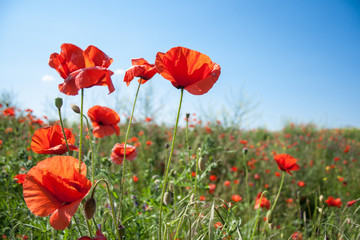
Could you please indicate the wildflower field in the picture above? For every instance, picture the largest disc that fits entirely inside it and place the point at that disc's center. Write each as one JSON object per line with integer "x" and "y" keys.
{"x": 103, "y": 177}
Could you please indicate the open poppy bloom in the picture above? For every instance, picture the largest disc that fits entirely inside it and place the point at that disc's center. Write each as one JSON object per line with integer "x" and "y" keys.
{"x": 20, "y": 178}
{"x": 104, "y": 121}
{"x": 10, "y": 111}
{"x": 81, "y": 69}
{"x": 188, "y": 69}
{"x": 55, "y": 186}
{"x": 50, "y": 140}
{"x": 99, "y": 236}
{"x": 142, "y": 69}
{"x": 117, "y": 154}
{"x": 331, "y": 202}
{"x": 236, "y": 198}
{"x": 286, "y": 163}
{"x": 264, "y": 203}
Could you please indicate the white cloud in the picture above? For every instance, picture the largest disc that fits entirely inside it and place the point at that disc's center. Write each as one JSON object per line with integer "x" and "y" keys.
{"x": 47, "y": 78}
{"x": 119, "y": 72}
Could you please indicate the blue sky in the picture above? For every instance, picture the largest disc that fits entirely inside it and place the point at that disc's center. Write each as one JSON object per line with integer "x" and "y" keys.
{"x": 295, "y": 60}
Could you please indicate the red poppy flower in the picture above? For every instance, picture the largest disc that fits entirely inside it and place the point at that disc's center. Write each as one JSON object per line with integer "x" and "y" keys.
{"x": 331, "y": 202}
{"x": 188, "y": 69}
{"x": 286, "y": 163}
{"x": 264, "y": 203}
{"x": 352, "y": 202}
{"x": 10, "y": 111}
{"x": 301, "y": 183}
{"x": 117, "y": 154}
{"x": 213, "y": 178}
{"x": 99, "y": 236}
{"x": 236, "y": 198}
{"x": 81, "y": 69}
{"x": 20, "y": 178}
{"x": 104, "y": 121}
{"x": 55, "y": 186}
{"x": 296, "y": 236}
{"x": 50, "y": 140}
{"x": 142, "y": 69}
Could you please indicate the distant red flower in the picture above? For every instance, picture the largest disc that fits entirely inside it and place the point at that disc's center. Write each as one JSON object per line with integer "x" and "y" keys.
{"x": 227, "y": 183}
{"x": 331, "y": 202}
{"x": 117, "y": 154}
{"x": 213, "y": 178}
{"x": 135, "y": 178}
{"x": 352, "y": 202}
{"x": 347, "y": 148}
{"x": 233, "y": 169}
{"x": 20, "y": 178}
{"x": 55, "y": 187}
{"x": 188, "y": 69}
{"x": 301, "y": 183}
{"x": 104, "y": 121}
{"x": 99, "y": 236}
{"x": 264, "y": 203}
{"x": 218, "y": 225}
{"x": 148, "y": 119}
{"x": 81, "y": 69}
{"x": 142, "y": 69}
{"x": 243, "y": 142}
{"x": 212, "y": 188}
{"x": 50, "y": 140}
{"x": 277, "y": 174}
{"x": 202, "y": 198}
{"x": 10, "y": 111}
{"x": 286, "y": 163}
{"x": 149, "y": 143}
{"x": 236, "y": 198}
{"x": 296, "y": 236}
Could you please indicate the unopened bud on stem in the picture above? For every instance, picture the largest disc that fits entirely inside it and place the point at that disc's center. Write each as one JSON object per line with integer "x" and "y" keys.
{"x": 58, "y": 102}
{"x": 75, "y": 108}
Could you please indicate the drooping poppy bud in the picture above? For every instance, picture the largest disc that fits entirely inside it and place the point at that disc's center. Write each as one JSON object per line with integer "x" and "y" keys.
{"x": 89, "y": 208}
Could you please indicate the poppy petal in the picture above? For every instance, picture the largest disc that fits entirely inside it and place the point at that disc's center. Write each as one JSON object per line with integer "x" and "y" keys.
{"x": 73, "y": 56}
{"x": 96, "y": 57}
{"x": 61, "y": 217}
{"x": 106, "y": 130}
{"x": 38, "y": 198}
{"x": 203, "y": 86}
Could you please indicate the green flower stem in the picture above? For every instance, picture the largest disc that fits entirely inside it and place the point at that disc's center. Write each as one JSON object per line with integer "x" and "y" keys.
{"x": 168, "y": 163}
{"x": 92, "y": 150}
{"x": 63, "y": 130}
{"x": 257, "y": 217}
{"x": 187, "y": 139}
{"x": 278, "y": 194}
{"x": 124, "y": 160}
{"x": 111, "y": 203}
{"x": 81, "y": 127}
{"x": 77, "y": 225}
{"x": 198, "y": 153}
{"x": 247, "y": 182}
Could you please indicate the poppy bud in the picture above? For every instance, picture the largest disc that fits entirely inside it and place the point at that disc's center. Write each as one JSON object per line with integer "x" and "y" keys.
{"x": 89, "y": 208}
{"x": 192, "y": 198}
{"x": 187, "y": 115}
{"x": 269, "y": 217}
{"x": 321, "y": 198}
{"x": 75, "y": 108}
{"x": 245, "y": 151}
{"x": 171, "y": 186}
{"x": 168, "y": 198}
{"x": 167, "y": 145}
{"x": 121, "y": 230}
{"x": 58, "y": 102}
{"x": 201, "y": 164}
{"x": 189, "y": 147}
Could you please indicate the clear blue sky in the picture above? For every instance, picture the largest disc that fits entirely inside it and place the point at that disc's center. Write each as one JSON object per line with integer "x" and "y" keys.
{"x": 297, "y": 60}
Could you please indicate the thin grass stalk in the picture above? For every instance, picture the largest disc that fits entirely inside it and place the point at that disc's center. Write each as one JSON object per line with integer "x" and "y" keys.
{"x": 168, "y": 163}
{"x": 63, "y": 131}
{"x": 92, "y": 151}
{"x": 81, "y": 127}
{"x": 124, "y": 160}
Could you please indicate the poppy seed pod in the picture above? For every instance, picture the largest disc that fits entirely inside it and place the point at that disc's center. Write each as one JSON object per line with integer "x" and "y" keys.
{"x": 168, "y": 198}
{"x": 245, "y": 151}
{"x": 201, "y": 163}
{"x": 269, "y": 217}
{"x": 89, "y": 208}
{"x": 58, "y": 102}
{"x": 187, "y": 115}
{"x": 171, "y": 186}
{"x": 75, "y": 108}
